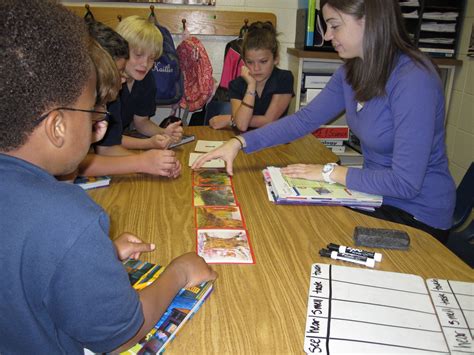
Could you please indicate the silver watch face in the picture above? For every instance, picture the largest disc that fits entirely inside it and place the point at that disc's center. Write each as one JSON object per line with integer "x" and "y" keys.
{"x": 327, "y": 168}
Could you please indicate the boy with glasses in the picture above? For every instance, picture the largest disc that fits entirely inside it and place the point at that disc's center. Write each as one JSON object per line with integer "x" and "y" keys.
{"x": 67, "y": 289}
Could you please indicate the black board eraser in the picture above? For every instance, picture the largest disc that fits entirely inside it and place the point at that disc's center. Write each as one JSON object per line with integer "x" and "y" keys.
{"x": 381, "y": 238}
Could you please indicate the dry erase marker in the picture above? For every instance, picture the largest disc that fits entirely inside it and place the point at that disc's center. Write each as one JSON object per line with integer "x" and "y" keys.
{"x": 356, "y": 259}
{"x": 354, "y": 251}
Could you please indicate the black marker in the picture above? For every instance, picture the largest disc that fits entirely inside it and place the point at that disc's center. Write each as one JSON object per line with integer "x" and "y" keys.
{"x": 354, "y": 251}
{"x": 356, "y": 259}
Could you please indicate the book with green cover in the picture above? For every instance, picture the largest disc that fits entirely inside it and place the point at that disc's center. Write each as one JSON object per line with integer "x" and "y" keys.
{"x": 181, "y": 309}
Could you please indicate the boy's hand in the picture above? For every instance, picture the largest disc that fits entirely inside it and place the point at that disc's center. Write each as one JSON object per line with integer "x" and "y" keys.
{"x": 160, "y": 141}
{"x": 175, "y": 131}
{"x": 220, "y": 121}
{"x": 193, "y": 268}
{"x": 98, "y": 131}
{"x": 130, "y": 246}
{"x": 160, "y": 162}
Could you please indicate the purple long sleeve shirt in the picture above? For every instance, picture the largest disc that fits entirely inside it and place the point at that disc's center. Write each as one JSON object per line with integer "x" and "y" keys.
{"x": 402, "y": 139}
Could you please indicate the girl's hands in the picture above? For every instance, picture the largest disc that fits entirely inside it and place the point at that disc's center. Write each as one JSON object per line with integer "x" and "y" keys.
{"x": 249, "y": 79}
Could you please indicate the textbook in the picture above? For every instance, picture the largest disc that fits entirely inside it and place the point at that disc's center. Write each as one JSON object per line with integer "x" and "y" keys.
{"x": 92, "y": 182}
{"x": 181, "y": 309}
{"x": 353, "y": 310}
{"x": 286, "y": 190}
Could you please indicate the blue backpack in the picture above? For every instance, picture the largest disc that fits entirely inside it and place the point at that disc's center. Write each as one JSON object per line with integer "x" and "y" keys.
{"x": 168, "y": 76}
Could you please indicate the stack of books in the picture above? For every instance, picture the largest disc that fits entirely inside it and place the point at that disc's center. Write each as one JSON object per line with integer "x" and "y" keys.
{"x": 333, "y": 137}
{"x": 285, "y": 190}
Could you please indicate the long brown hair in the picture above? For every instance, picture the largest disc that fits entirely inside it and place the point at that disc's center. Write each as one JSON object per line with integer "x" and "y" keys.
{"x": 108, "y": 76}
{"x": 384, "y": 38}
{"x": 261, "y": 35}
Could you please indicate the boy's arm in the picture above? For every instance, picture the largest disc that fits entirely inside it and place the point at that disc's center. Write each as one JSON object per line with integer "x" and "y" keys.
{"x": 155, "y": 162}
{"x": 157, "y": 141}
{"x": 185, "y": 271}
{"x": 113, "y": 150}
{"x": 146, "y": 126}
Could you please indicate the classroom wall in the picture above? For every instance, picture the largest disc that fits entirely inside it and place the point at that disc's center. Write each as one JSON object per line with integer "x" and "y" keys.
{"x": 285, "y": 11}
{"x": 460, "y": 118}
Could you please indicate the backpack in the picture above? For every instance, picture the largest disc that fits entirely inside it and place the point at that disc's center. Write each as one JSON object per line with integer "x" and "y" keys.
{"x": 166, "y": 72}
{"x": 197, "y": 70}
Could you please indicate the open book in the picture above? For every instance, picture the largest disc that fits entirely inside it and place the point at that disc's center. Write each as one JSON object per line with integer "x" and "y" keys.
{"x": 352, "y": 310}
{"x": 286, "y": 190}
{"x": 181, "y": 309}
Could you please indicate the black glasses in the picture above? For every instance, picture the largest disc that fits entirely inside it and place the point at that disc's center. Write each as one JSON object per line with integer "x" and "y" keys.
{"x": 104, "y": 115}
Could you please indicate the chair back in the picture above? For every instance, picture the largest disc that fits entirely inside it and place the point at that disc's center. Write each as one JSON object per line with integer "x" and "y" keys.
{"x": 464, "y": 198}
{"x": 214, "y": 108}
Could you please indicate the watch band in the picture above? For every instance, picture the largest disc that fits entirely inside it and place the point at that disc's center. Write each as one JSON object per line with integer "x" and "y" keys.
{"x": 327, "y": 171}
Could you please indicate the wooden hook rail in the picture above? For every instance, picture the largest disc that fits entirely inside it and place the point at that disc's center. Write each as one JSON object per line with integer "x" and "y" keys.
{"x": 197, "y": 22}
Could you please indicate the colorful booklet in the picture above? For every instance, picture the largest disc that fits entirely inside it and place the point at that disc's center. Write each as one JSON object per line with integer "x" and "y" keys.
{"x": 181, "y": 309}
{"x": 219, "y": 217}
{"x": 214, "y": 196}
{"x": 211, "y": 177}
{"x": 286, "y": 190}
{"x": 92, "y": 182}
{"x": 224, "y": 246}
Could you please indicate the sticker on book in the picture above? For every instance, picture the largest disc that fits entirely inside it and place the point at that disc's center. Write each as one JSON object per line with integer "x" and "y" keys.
{"x": 214, "y": 163}
{"x": 211, "y": 177}
{"x": 221, "y": 246}
{"x": 219, "y": 217}
{"x": 214, "y": 196}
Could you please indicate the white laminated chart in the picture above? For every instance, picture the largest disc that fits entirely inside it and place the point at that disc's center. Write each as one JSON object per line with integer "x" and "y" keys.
{"x": 352, "y": 310}
{"x": 454, "y": 304}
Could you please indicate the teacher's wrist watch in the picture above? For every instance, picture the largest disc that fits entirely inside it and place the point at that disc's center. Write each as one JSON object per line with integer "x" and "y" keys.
{"x": 327, "y": 171}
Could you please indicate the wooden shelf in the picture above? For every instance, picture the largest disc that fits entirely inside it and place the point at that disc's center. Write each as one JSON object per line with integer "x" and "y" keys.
{"x": 300, "y": 53}
{"x": 198, "y": 22}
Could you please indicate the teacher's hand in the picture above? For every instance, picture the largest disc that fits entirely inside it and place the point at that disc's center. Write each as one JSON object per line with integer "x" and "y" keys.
{"x": 304, "y": 171}
{"x": 227, "y": 152}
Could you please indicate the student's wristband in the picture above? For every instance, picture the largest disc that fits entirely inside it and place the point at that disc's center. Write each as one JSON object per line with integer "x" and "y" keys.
{"x": 251, "y": 93}
{"x": 247, "y": 105}
{"x": 239, "y": 140}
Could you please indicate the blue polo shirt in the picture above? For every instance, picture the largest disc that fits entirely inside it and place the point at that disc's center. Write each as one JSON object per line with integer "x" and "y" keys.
{"x": 64, "y": 288}
{"x": 279, "y": 82}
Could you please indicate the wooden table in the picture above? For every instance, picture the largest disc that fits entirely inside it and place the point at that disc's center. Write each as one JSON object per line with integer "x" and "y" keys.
{"x": 260, "y": 308}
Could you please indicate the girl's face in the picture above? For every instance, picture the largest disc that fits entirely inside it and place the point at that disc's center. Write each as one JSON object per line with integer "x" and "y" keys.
{"x": 260, "y": 63}
{"x": 139, "y": 64}
{"x": 345, "y": 32}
